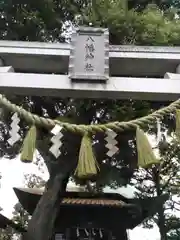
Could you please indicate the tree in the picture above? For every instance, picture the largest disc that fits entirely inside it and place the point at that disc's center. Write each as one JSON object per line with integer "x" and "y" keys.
{"x": 148, "y": 27}
{"x": 32, "y": 180}
{"x": 20, "y": 216}
{"x": 174, "y": 235}
{"x": 42, "y": 21}
{"x": 6, "y": 234}
{"x": 161, "y": 179}
{"x": 140, "y": 5}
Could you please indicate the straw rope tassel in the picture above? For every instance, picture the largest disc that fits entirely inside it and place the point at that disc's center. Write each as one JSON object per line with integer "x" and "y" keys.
{"x": 87, "y": 164}
{"x": 146, "y": 156}
{"x": 178, "y": 124}
{"x": 29, "y": 145}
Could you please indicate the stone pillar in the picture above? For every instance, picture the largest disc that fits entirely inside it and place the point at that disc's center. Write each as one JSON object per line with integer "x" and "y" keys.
{"x": 178, "y": 69}
{"x": 176, "y": 75}
{"x": 4, "y": 69}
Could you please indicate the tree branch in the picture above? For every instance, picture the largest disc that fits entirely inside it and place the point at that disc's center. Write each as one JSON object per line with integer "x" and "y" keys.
{"x": 169, "y": 179}
{"x": 172, "y": 226}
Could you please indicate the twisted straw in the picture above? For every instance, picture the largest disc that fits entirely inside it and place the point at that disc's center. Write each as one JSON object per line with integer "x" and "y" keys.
{"x": 82, "y": 129}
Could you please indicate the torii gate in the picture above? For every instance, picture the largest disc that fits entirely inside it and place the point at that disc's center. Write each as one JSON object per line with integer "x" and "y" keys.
{"x": 87, "y": 68}
{"x": 121, "y": 72}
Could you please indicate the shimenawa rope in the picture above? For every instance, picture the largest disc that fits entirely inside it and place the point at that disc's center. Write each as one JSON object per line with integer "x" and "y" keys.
{"x": 82, "y": 129}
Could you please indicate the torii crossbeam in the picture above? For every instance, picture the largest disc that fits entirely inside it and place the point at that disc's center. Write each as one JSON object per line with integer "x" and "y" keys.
{"x": 118, "y": 72}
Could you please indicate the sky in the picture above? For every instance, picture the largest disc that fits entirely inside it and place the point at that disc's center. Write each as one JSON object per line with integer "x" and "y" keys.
{"x": 13, "y": 171}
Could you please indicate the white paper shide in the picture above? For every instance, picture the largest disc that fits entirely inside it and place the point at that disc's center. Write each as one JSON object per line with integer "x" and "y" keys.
{"x": 111, "y": 142}
{"x": 56, "y": 140}
{"x": 14, "y": 135}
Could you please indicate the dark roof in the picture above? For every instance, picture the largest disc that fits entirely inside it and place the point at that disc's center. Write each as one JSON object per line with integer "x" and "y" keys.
{"x": 147, "y": 206}
{"x": 5, "y": 222}
{"x": 30, "y": 197}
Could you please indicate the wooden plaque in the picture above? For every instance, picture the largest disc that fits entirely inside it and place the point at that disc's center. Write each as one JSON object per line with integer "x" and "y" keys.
{"x": 89, "y": 54}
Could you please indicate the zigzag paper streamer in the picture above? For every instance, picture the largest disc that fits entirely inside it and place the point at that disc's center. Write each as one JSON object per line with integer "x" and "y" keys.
{"x": 56, "y": 140}
{"x": 159, "y": 133}
{"x": 111, "y": 143}
{"x": 14, "y": 135}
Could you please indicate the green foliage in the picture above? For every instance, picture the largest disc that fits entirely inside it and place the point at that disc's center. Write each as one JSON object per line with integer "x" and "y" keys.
{"x": 160, "y": 180}
{"x": 148, "y": 27}
{"x": 6, "y": 234}
{"x": 174, "y": 235}
{"x": 43, "y": 20}
{"x": 34, "y": 20}
{"x": 139, "y": 5}
{"x": 32, "y": 180}
{"x": 20, "y": 216}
